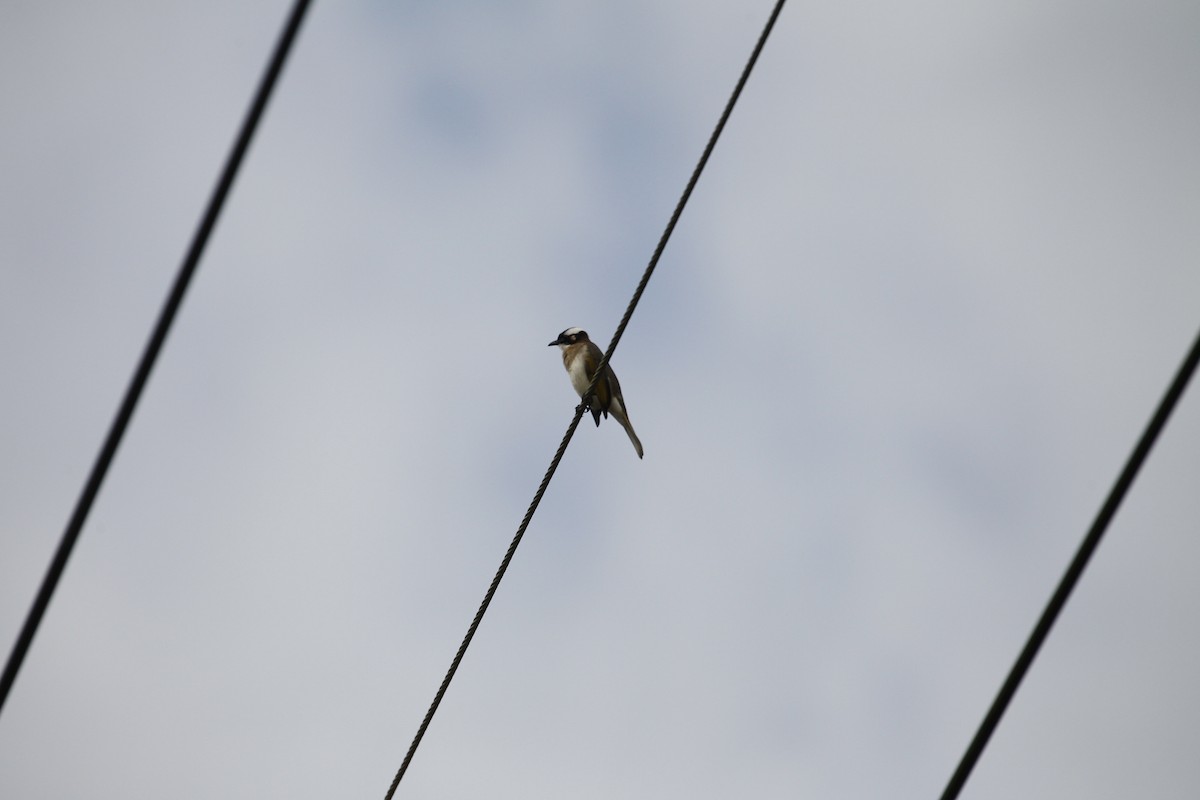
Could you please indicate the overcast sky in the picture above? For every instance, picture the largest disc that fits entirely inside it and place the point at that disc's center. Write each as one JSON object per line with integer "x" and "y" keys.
{"x": 938, "y": 273}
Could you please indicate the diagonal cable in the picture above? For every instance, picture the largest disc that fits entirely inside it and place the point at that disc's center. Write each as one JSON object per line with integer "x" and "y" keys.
{"x": 157, "y": 337}
{"x": 579, "y": 410}
{"x": 1059, "y": 599}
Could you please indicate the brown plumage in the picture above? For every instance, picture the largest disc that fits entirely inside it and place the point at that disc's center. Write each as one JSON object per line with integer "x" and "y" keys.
{"x": 581, "y": 357}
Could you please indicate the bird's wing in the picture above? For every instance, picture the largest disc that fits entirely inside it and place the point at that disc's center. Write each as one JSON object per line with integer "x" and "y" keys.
{"x": 603, "y": 391}
{"x": 613, "y": 387}
{"x": 588, "y": 358}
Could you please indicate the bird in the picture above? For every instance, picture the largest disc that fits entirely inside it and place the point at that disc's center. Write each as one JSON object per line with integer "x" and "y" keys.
{"x": 581, "y": 356}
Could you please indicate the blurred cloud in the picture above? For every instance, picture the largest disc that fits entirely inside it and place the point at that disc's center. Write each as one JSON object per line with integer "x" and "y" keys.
{"x": 937, "y": 274}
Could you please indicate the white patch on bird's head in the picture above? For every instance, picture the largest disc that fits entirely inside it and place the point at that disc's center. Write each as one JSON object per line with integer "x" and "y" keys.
{"x": 570, "y": 336}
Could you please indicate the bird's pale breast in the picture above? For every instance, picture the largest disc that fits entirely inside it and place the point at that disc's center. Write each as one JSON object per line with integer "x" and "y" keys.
{"x": 576, "y": 365}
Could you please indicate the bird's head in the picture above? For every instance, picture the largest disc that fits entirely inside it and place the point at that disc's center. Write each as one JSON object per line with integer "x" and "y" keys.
{"x": 569, "y": 337}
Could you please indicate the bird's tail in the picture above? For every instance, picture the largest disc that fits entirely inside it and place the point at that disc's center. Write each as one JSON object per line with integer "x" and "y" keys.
{"x": 617, "y": 409}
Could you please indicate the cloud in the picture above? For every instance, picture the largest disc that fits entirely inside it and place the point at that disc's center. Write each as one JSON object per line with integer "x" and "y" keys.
{"x": 926, "y": 294}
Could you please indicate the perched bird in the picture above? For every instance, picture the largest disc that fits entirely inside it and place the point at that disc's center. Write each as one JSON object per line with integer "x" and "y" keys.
{"x": 581, "y": 356}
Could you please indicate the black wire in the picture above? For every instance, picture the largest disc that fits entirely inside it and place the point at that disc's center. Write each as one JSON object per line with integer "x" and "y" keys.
{"x": 142, "y": 374}
{"x": 579, "y": 410}
{"x": 687, "y": 192}
{"x": 1074, "y": 571}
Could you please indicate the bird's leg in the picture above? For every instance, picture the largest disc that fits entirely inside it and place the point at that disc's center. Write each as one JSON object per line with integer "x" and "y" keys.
{"x": 590, "y": 404}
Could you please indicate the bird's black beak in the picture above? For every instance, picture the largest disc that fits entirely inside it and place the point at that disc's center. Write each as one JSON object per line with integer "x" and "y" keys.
{"x": 553, "y": 343}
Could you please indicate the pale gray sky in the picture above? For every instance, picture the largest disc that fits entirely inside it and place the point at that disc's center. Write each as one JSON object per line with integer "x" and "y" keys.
{"x": 939, "y": 271}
